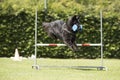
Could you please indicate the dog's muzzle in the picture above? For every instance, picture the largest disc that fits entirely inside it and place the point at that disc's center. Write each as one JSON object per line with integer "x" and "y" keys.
{"x": 75, "y": 27}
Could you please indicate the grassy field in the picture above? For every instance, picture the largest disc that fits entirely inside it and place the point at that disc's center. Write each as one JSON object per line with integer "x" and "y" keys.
{"x": 12, "y": 70}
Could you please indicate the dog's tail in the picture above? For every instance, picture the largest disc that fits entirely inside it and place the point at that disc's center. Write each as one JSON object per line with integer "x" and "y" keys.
{"x": 45, "y": 25}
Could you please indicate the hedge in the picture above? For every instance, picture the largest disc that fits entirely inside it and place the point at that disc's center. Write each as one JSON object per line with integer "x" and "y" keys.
{"x": 17, "y": 29}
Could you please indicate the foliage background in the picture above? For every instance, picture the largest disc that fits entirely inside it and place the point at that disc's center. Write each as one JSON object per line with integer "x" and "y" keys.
{"x": 17, "y": 27}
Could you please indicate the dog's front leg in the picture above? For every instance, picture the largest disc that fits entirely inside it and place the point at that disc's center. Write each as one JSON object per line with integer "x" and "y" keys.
{"x": 69, "y": 44}
{"x": 75, "y": 46}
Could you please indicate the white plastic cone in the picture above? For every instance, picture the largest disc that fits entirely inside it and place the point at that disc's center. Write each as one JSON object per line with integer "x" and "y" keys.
{"x": 16, "y": 54}
{"x": 16, "y": 57}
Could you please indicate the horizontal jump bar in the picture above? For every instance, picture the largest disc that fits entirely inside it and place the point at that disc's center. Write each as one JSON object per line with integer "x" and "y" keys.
{"x": 86, "y": 44}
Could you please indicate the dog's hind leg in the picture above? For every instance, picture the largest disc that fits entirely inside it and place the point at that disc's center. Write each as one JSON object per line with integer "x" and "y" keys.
{"x": 52, "y": 35}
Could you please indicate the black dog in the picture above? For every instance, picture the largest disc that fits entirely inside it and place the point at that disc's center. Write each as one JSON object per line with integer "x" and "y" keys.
{"x": 65, "y": 32}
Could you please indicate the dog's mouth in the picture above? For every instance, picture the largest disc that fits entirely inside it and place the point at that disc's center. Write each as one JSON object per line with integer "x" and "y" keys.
{"x": 76, "y": 28}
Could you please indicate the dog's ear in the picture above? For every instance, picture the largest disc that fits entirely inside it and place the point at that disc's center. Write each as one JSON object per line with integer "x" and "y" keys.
{"x": 78, "y": 17}
{"x": 72, "y": 20}
{"x": 74, "y": 17}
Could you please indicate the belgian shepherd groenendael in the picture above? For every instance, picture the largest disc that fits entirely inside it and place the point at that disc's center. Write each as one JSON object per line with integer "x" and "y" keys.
{"x": 64, "y": 31}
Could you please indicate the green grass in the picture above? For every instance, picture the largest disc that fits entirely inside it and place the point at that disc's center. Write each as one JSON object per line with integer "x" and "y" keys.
{"x": 12, "y": 70}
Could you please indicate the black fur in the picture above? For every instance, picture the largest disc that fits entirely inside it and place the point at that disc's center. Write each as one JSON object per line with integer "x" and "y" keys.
{"x": 63, "y": 31}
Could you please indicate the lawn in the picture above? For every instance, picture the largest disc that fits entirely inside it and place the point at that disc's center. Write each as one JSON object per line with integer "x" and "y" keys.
{"x": 22, "y": 70}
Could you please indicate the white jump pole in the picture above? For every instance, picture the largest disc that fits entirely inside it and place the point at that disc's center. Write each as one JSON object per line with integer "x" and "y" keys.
{"x": 86, "y": 44}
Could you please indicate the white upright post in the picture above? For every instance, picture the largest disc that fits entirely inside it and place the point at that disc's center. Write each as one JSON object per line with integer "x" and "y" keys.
{"x": 35, "y": 59}
{"x": 101, "y": 38}
{"x": 35, "y": 37}
{"x": 45, "y": 4}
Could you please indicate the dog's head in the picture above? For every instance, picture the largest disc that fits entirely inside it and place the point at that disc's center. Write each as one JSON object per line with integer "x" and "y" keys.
{"x": 74, "y": 23}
